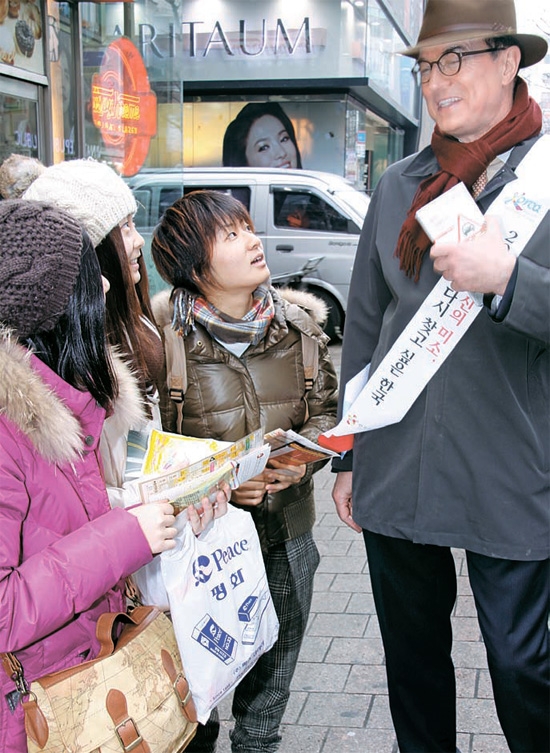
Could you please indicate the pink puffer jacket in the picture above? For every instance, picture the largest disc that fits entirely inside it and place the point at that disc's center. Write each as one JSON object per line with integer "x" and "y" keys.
{"x": 63, "y": 552}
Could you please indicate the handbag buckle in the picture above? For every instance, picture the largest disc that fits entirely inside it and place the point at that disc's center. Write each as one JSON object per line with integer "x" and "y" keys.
{"x": 14, "y": 670}
{"x": 119, "y": 731}
{"x": 181, "y": 679}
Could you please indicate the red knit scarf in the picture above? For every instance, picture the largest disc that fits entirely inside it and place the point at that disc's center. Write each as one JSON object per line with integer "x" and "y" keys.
{"x": 464, "y": 162}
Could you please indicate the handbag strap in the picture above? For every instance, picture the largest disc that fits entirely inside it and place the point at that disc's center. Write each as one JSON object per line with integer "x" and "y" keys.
{"x": 136, "y": 621}
{"x": 36, "y": 726}
{"x": 180, "y": 686}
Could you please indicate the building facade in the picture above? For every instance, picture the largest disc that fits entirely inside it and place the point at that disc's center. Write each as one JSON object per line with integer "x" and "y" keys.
{"x": 155, "y": 83}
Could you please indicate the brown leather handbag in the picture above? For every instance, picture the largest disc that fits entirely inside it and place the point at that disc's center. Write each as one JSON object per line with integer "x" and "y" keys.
{"x": 132, "y": 697}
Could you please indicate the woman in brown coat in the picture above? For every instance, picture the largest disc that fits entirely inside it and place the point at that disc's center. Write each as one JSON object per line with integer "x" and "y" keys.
{"x": 243, "y": 347}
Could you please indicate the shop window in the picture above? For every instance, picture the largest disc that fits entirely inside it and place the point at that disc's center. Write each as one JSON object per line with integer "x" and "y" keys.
{"x": 18, "y": 127}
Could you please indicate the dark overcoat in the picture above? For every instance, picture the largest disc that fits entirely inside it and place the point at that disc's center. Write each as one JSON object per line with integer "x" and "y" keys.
{"x": 469, "y": 465}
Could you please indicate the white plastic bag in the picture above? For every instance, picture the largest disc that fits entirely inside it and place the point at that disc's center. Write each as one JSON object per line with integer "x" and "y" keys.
{"x": 148, "y": 579}
{"x": 220, "y": 603}
{"x": 150, "y": 584}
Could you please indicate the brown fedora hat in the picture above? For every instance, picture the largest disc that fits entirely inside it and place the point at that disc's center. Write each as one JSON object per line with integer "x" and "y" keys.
{"x": 458, "y": 20}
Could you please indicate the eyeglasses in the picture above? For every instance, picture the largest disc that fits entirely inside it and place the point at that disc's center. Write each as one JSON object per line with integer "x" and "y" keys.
{"x": 449, "y": 64}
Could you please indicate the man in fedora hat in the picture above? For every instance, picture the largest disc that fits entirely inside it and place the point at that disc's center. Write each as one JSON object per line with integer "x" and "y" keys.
{"x": 468, "y": 464}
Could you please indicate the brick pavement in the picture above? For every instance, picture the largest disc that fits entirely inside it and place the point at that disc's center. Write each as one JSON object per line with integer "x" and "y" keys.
{"x": 339, "y": 701}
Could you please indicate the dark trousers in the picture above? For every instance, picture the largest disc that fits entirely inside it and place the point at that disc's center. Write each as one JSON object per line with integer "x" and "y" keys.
{"x": 414, "y": 588}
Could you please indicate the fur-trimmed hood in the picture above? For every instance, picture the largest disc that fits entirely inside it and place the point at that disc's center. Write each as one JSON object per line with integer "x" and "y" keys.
{"x": 314, "y": 306}
{"x": 41, "y": 415}
{"x": 33, "y": 407}
{"x": 129, "y": 411}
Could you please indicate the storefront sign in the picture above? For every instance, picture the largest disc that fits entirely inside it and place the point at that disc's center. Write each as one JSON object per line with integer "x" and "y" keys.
{"x": 123, "y": 106}
{"x": 194, "y": 41}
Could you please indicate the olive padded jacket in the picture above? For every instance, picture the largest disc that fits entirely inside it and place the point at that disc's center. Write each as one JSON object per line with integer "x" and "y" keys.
{"x": 228, "y": 397}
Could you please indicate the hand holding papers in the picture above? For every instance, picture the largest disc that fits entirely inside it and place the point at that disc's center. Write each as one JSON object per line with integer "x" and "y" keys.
{"x": 294, "y": 449}
{"x": 231, "y": 462}
{"x": 186, "y": 469}
{"x": 453, "y": 217}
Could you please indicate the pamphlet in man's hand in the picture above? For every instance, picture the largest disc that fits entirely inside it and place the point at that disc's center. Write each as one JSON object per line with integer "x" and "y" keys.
{"x": 452, "y": 217}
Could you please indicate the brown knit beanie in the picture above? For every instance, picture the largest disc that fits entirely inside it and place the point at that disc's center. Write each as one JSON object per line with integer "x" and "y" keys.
{"x": 40, "y": 251}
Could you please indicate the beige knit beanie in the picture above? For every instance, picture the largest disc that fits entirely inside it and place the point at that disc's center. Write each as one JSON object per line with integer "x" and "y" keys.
{"x": 90, "y": 191}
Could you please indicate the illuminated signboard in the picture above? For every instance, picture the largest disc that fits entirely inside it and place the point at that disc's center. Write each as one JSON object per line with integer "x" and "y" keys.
{"x": 124, "y": 108}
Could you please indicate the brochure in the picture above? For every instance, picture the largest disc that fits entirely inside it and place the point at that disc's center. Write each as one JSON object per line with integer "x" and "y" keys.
{"x": 294, "y": 449}
{"x": 195, "y": 489}
{"x": 454, "y": 216}
{"x": 166, "y": 451}
{"x": 235, "y": 463}
{"x": 214, "y": 463}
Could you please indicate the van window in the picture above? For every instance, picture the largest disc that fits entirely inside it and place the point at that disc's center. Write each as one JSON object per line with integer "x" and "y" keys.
{"x": 143, "y": 201}
{"x": 167, "y": 197}
{"x": 305, "y": 210}
{"x": 242, "y": 193}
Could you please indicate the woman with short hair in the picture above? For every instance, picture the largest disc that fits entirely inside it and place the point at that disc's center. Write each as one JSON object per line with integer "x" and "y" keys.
{"x": 243, "y": 343}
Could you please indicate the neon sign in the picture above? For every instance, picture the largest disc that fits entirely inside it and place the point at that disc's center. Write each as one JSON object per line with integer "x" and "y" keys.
{"x": 124, "y": 108}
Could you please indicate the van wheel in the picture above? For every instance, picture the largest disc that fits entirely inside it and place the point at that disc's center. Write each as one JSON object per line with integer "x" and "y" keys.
{"x": 335, "y": 321}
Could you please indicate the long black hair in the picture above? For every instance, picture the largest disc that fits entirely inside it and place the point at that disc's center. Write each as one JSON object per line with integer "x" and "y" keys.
{"x": 76, "y": 349}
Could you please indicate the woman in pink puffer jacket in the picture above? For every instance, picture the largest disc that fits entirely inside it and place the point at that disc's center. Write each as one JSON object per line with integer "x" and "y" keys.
{"x": 64, "y": 553}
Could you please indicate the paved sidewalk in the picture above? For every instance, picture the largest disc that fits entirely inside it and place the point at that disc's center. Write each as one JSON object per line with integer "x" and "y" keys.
{"x": 339, "y": 700}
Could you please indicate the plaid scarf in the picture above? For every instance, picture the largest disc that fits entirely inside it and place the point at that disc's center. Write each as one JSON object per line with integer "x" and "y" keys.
{"x": 222, "y": 327}
{"x": 464, "y": 162}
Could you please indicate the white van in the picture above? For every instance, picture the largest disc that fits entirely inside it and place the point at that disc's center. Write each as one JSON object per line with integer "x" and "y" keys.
{"x": 298, "y": 214}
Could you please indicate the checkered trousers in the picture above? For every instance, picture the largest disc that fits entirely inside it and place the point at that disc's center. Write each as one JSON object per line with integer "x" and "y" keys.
{"x": 260, "y": 699}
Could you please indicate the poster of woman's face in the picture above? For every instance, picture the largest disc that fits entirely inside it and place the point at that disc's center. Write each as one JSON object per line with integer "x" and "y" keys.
{"x": 269, "y": 145}
{"x": 261, "y": 135}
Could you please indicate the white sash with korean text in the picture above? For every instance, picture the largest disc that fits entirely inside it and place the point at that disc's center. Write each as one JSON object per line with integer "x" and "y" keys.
{"x": 383, "y": 398}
